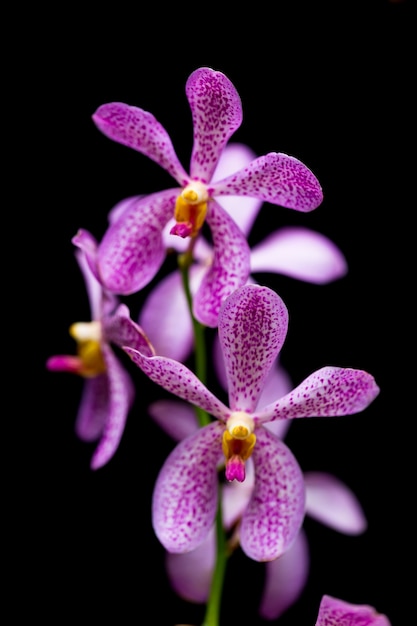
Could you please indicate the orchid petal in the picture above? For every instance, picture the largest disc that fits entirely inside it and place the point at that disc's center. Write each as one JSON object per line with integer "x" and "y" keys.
{"x": 253, "y": 324}
{"x": 276, "y": 178}
{"x": 93, "y": 287}
{"x": 167, "y": 319}
{"x": 185, "y": 496}
{"x": 93, "y": 410}
{"x": 335, "y": 612}
{"x": 300, "y": 253}
{"x": 276, "y": 511}
{"x": 243, "y": 210}
{"x": 86, "y": 242}
{"x": 331, "y": 502}
{"x": 329, "y": 392}
{"x": 179, "y": 380}
{"x": 190, "y": 573}
{"x": 216, "y": 110}
{"x": 234, "y": 157}
{"x": 132, "y": 251}
{"x": 276, "y": 385}
{"x": 102, "y": 302}
{"x": 121, "y": 330}
{"x": 138, "y": 129}
{"x": 117, "y": 211}
{"x": 285, "y": 579}
{"x": 176, "y": 418}
{"x": 121, "y": 396}
{"x": 229, "y": 269}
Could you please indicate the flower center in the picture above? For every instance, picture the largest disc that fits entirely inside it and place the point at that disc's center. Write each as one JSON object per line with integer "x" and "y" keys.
{"x": 190, "y": 210}
{"x": 238, "y": 443}
{"x": 88, "y": 338}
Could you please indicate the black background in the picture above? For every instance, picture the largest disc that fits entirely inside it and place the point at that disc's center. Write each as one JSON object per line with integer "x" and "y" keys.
{"x": 329, "y": 84}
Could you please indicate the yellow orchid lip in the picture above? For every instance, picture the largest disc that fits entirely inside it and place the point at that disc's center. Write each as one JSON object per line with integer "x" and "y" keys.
{"x": 238, "y": 443}
{"x": 88, "y": 336}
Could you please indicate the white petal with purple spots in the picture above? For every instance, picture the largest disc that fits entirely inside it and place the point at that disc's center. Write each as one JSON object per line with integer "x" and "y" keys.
{"x": 185, "y": 497}
{"x": 276, "y": 510}
{"x": 253, "y": 324}
{"x": 216, "y": 109}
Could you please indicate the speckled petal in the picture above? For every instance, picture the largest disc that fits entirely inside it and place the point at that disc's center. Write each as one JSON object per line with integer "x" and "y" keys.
{"x": 216, "y": 109}
{"x": 300, "y": 253}
{"x": 190, "y": 573}
{"x": 93, "y": 410}
{"x": 276, "y": 178}
{"x": 229, "y": 269}
{"x": 166, "y": 317}
{"x": 253, "y": 324}
{"x": 93, "y": 287}
{"x": 178, "y": 419}
{"x": 329, "y": 392}
{"x": 121, "y": 395}
{"x": 242, "y": 209}
{"x": 180, "y": 381}
{"x": 285, "y": 579}
{"x": 275, "y": 513}
{"x": 138, "y": 129}
{"x": 121, "y": 330}
{"x": 101, "y": 301}
{"x": 333, "y": 503}
{"x": 117, "y": 211}
{"x": 335, "y": 612}
{"x": 277, "y": 384}
{"x": 184, "y": 500}
{"x": 132, "y": 251}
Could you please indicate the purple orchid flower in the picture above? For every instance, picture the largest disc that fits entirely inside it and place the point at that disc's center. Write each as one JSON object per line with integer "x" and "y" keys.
{"x": 253, "y": 323}
{"x": 336, "y": 612}
{"x": 108, "y": 391}
{"x": 296, "y": 252}
{"x": 132, "y": 250}
{"x": 328, "y": 500}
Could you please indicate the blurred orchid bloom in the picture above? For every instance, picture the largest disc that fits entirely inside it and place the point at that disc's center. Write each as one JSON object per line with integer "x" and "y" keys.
{"x": 295, "y": 251}
{"x": 108, "y": 391}
{"x": 336, "y": 612}
{"x": 253, "y": 323}
{"x": 328, "y": 500}
{"x": 132, "y": 250}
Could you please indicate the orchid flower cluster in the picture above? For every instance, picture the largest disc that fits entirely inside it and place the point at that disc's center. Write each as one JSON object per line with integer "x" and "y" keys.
{"x": 231, "y": 482}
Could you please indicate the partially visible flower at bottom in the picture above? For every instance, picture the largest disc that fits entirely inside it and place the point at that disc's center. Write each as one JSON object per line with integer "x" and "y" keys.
{"x": 108, "y": 391}
{"x": 336, "y": 612}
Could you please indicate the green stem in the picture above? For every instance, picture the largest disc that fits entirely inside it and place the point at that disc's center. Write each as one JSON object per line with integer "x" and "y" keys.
{"x": 200, "y": 352}
{"x": 212, "y": 615}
